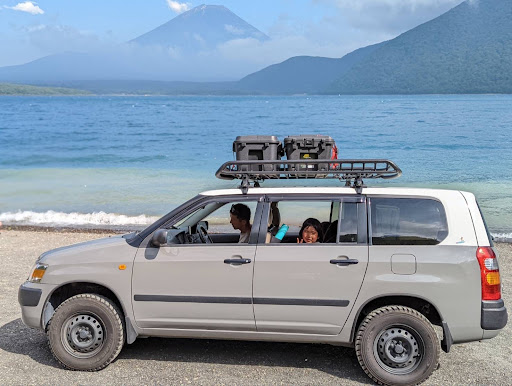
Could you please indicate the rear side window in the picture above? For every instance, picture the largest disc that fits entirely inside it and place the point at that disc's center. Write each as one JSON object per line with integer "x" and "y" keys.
{"x": 294, "y": 213}
{"x": 407, "y": 221}
{"x": 348, "y": 222}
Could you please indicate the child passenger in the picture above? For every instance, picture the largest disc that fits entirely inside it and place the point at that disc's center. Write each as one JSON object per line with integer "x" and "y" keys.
{"x": 311, "y": 232}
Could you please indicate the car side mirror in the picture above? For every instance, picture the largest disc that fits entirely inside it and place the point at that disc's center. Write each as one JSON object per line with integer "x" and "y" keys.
{"x": 159, "y": 237}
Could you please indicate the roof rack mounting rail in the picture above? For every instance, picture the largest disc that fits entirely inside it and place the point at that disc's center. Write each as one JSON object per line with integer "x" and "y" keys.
{"x": 351, "y": 171}
{"x": 246, "y": 184}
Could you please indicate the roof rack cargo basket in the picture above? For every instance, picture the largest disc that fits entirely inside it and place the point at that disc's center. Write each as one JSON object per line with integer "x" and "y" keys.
{"x": 350, "y": 171}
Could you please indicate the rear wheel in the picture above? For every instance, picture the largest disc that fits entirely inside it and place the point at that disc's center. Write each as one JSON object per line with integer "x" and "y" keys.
{"x": 86, "y": 332}
{"x": 397, "y": 345}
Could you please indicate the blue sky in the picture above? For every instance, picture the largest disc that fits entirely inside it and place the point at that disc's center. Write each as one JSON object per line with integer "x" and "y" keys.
{"x": 30, "y": 30}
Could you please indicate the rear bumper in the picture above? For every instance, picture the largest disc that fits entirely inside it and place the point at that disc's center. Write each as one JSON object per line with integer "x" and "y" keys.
{"x": 494, "y": 315}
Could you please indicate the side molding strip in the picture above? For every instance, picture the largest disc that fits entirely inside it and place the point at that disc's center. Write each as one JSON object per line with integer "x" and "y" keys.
{"x": 191, "y": 299}
{"x": 238, "y": 300}
{"x": 302, "y": 302}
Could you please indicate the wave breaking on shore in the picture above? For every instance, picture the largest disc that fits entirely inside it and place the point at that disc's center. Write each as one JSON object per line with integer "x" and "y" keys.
{"x": 109, "y": 221}
{"x": 75, "y": 219}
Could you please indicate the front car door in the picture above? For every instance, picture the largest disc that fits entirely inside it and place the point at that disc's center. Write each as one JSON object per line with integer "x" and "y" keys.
{"x": 310, "y": 288}
{"x": 198, "y": 285}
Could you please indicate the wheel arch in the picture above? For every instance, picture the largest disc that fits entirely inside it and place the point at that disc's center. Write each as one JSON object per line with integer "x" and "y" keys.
{"x": 422, "y": 305}
{"x": 68, "y": 290}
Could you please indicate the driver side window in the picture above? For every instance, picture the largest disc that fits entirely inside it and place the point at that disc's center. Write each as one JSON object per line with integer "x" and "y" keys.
{"x": 218, "y": 223}
{"x": 232, "y": 222}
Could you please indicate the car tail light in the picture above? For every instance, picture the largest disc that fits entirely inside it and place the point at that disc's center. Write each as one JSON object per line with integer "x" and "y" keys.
{"x": 490, "y": 273}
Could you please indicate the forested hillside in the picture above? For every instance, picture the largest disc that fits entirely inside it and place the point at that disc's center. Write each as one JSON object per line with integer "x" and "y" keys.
{"x": 302, "y": 74}
{"x": 466, "y": 50}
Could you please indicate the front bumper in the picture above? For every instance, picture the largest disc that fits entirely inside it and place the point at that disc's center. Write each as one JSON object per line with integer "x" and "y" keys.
{"x": 494, "y": 314}
{"x": 32, "y": 298}
{"x": 29, "y": 297}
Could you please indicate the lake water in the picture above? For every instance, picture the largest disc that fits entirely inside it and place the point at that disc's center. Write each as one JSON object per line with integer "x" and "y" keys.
{"x": 88, "y": 161}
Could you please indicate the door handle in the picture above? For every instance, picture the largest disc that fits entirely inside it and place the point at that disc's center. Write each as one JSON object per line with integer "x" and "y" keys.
{"x": 237, "y": 261}
{"x": 344, "y": 262}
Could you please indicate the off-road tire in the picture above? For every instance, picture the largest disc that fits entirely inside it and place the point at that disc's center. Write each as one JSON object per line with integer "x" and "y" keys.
{"x": 407, "y": 328}
{"x": 100, "y": 322}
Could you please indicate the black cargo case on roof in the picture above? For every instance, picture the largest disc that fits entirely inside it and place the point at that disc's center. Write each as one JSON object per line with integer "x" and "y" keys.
{"x": 309, "y": 147}
{"x": 258, "y": 148}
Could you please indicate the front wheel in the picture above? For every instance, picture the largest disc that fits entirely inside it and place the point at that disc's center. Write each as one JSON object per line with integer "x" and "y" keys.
{"x": 86, "y": 332}
{"x": 397, "y": 345}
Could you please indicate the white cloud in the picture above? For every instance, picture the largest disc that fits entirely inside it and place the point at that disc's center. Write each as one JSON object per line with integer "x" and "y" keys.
{"x": 389, "y": 17}
{"x": 50, "y": 39}
{"x": 391, "y": 4}
{"x": 27, "y": 6}
{"x": 233, "y": 30}
{"x": 198, "y": 38}
{"x": 256, "y": 54}
{"x": 177, "y": 6}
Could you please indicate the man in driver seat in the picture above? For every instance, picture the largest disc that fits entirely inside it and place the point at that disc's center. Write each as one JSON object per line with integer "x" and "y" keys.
{"x": 240, "y": 219}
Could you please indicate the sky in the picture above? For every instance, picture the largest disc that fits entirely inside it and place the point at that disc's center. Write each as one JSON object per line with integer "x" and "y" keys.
{"x": 30, "y": 30}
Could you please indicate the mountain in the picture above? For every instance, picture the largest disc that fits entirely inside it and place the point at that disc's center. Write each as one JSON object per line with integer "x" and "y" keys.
{"x": 185, "y": 48}
{"x": 67, "y": 66}
{"x": 466, "y": 50}
{"x": 302, "y": 74}
{"x": 203, "y": 27}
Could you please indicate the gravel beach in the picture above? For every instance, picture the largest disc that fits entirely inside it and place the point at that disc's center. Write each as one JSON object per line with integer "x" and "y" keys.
{"x": 25, "y": 358}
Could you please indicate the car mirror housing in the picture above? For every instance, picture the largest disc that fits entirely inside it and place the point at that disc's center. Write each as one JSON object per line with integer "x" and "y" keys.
{"x": 159, "y": 237}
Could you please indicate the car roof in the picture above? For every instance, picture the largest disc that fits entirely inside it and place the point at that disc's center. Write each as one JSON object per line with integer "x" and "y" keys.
{"x": 386, "y": 191}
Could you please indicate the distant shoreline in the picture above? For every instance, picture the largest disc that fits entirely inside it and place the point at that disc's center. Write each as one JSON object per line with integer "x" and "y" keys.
{"x": 15, "y": 89}
{"x": 85, "y": 93}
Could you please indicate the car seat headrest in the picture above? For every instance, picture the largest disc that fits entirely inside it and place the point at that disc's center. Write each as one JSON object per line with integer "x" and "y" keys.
{"x": 274, "y": 218}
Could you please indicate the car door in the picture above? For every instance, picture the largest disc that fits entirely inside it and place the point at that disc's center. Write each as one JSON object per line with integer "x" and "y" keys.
{"x": 311, "y": 288}
{"x": 196, "y": 286}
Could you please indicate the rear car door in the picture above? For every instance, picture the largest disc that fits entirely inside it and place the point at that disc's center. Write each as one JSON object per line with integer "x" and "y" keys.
{"x": 310, "y": 288}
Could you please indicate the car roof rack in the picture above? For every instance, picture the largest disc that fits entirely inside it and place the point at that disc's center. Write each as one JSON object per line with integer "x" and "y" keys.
{"x": 351, "y": 171}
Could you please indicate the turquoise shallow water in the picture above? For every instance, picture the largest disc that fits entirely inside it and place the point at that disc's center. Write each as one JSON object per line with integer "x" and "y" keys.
{"x": 144, "y": 155}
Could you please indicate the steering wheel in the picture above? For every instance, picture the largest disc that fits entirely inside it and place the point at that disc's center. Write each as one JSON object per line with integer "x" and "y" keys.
{"x": 203, "y": 234}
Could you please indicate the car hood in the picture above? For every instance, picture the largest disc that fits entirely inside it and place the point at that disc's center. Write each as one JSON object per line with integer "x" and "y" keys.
{"x": 83, "y": 248}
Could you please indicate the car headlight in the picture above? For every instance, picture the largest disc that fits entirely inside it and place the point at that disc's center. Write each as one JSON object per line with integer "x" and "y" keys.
{"x": 37, "y": 273}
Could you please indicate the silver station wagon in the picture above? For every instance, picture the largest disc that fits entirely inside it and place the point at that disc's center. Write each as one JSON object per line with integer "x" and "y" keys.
{"x": 372, "y": 268}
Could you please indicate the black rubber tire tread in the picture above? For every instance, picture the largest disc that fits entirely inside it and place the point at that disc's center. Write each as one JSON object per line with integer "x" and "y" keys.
{"x": 113, "y": 348}
{"x": 372, "y": 320}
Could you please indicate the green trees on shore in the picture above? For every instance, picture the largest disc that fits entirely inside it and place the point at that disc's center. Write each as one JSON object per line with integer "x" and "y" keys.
{"x": 21, "y": 89}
